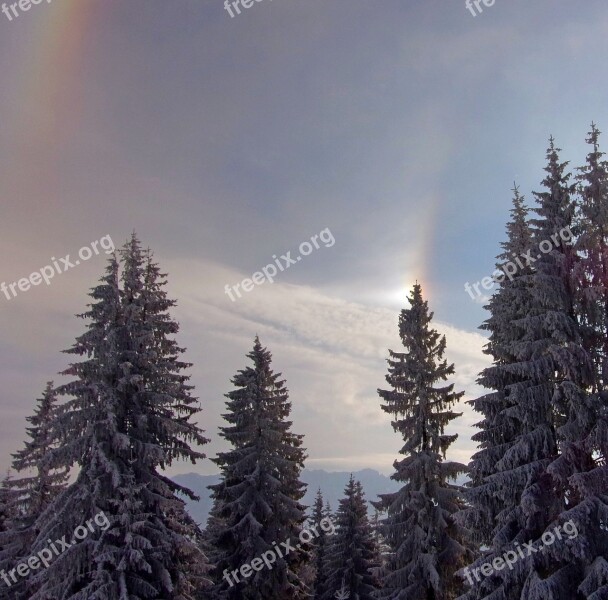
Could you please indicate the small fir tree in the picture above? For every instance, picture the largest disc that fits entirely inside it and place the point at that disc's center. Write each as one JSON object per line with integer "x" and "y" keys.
{"x": 351, "y": 557}
{"x": 258, "y": 498}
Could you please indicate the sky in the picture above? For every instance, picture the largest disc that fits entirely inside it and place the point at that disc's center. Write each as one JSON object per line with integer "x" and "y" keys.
{"x": 396, "y": 127}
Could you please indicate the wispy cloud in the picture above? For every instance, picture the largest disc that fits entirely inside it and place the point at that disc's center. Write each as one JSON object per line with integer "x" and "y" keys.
{"x": 332, "y": 352}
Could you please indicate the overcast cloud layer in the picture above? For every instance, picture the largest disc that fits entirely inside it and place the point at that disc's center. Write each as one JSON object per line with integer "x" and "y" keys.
{"x": 401, "y": 126}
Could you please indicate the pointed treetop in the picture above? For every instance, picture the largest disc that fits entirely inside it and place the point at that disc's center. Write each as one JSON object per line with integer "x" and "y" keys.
{"x": 418, "y": 315}
{"x": 261, "y": 356}
{"x": 594, "y": 157}
{"x": 519, "y": 238}
{"x": 518, "y": 199}
{"x": 553, "y": 158}
{"x": 519, "y": 212}
{"x": 594, "y": 135}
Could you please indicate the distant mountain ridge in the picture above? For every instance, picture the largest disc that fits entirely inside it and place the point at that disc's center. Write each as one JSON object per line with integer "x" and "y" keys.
{"x": 332, "y": 486}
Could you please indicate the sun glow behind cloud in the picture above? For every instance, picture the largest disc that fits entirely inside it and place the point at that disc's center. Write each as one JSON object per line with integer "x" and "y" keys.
{"x": 416, "y": 258}
{"x": 331, "y": 351}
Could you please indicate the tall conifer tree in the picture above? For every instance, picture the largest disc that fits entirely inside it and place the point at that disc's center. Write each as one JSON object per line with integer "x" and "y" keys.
{"x": 258, "y": 498}
{"x": 491, "y": 499}
{"x": 592, "y": 268}
{"x": 577, "y": 567}
{"x": 31, "y": 494}
{"x": 559, "y": 370}
{"x": 516, "y": 440}
{"x": 128, "y": 416}
{"x": 560, "y": 479}
{"x": 320, "y": 545}
{"x": 6, "y": 514}
{"x": 428, "y": 545}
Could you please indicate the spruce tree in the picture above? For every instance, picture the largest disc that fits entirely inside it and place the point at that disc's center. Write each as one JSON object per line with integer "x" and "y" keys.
{"x": 551, "y": 355}
{"x": 382, "y": 548}
{"x": 352, "y": 553}
{"x": 577, "y": 567}
{"x": 591, "y": 281}
{"x": 491, "y": 498}
{"x": 516, "y": 439}
{"x": 258, "y": 497}
{"x": 559, "y": 476}
{"x": 591, "y": 276}
{"x": 31, "y": 494}
{"x": 528, "y": 380}
{"x": 128, "y": 417}
{"x": 214, "y": 526}
{"x": 6, "y": 515}
{"x": 5, "y": 504}
{"x": 427, "y": 543}
{"x": 319, "y": 544}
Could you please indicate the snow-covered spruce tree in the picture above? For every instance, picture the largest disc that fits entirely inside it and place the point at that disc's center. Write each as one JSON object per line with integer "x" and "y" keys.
{"x": 31, "y": 494}
{"x": 258, "y": 497}
{"x": 491, "y": 500}
{"x": 383, "y": 550}
{"x": 214, "y": 526}
{"x": 352, "y": 553}
{"x": 5, "y": 504}
{"x": 591, "y": 280}
{"x": 578, "y": 567}
{"x": 592, "y": 268}
{"x": 319, "y": 544}
{"x": 428, "y": 546}
{"x": 516, "y": 439}
{"x": 551, "y": 355}
{"x": 129, "y": 415}
{"x": 6, "y": 515}
{"x": 560, "y": 416}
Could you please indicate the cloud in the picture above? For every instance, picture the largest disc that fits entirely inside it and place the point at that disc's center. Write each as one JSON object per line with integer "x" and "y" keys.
{"x": 330, "y": 350}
